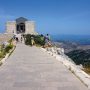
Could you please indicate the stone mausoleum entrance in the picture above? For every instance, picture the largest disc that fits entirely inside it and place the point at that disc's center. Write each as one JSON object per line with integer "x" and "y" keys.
{"x": 20, "y": 25}
{"x": 20, "y": 28}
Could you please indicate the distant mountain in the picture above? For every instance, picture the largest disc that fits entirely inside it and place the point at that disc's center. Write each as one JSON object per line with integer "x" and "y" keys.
{"x": 78, "y": 52}
{"x": 70, "y": 46}
{"x": 80, "y": 56}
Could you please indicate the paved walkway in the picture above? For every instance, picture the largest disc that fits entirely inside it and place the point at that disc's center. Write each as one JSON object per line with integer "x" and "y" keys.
{"x": 29, "y": 68}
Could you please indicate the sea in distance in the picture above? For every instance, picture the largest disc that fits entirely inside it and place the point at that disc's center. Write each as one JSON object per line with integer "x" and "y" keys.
{"x": 80, "y": 39}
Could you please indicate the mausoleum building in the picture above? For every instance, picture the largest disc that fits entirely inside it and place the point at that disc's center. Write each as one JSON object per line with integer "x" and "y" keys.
{"x": 20, "y": 26}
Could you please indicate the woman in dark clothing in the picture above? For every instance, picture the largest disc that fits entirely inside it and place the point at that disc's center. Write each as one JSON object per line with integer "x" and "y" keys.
{"x": 17, "y": 39}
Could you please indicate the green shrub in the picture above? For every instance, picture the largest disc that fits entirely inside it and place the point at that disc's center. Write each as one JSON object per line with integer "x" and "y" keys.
{"x": 28, "y": 39}
{"x": 2, "y": 55}
{"x": 2, "y": 47}
{"x": 5, "y": 49}
{"x": 1, "y": 63}
{"x": 39, "y": 40}
{"x": 8, "y": 47}
{"x": 10, "y": 41}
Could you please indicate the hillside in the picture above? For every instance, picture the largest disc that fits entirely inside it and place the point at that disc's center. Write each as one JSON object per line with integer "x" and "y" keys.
{"x": 70, "y": 46}
{"x": 80, "y": 54}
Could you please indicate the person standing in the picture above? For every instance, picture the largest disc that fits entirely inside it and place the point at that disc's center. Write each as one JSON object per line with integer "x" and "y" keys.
{"x": 21, "y": 39}
{"x": 48, "y": 37}
{"x": 17, "y": 39}
{"x": 47, "y": 40}
{"x": 32, "y": 41}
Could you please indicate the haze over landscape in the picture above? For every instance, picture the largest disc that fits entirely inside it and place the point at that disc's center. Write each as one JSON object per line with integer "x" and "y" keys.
{"x": 71, "y": 17}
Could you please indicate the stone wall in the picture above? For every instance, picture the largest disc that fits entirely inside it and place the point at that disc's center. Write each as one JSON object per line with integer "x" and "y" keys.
{"x": 5, "y": 37}
{"x": 11, "y": 27}
{"x": 30, "y": 27}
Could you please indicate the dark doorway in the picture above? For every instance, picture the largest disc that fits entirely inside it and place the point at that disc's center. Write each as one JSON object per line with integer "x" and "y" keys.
{"x": 20, "y": 25}
{"x": 20, "y": 28}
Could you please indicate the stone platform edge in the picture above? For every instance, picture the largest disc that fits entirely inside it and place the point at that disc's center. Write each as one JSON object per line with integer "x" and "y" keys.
{"x": 80, "y": 74}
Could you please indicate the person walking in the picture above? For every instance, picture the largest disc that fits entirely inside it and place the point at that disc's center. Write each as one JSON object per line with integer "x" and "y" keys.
{"x": 21, "y": 39}
{"x": 17, "y": 39}
{"x": 32, "y": 41}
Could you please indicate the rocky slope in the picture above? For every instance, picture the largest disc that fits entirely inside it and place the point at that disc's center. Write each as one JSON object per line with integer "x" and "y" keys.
{"x": 80, "y": 54}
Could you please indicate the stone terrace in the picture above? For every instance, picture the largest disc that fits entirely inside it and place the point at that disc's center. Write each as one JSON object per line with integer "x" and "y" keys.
{"x": 30, "y": 68}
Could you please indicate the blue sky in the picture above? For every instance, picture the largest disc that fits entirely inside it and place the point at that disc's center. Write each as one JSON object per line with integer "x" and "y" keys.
{"x": 51, "y": 16}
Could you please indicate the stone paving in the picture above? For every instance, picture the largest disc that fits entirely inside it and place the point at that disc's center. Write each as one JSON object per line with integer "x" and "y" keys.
{"x": 30, "y": 68}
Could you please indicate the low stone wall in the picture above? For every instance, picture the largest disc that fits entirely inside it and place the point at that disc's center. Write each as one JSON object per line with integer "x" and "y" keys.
{"x": 58, "y": 53}
{"x": 5, "y": 37}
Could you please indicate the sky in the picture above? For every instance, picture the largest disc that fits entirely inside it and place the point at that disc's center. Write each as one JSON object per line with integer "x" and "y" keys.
{"x": 50, "y": 16}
